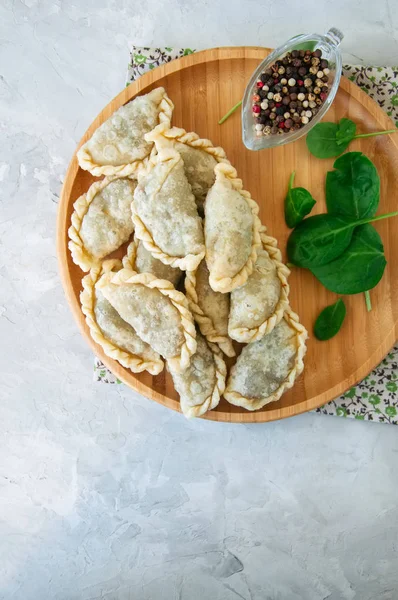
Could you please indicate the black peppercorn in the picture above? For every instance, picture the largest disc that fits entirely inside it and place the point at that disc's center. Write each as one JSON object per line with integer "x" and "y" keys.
{"x": 262, "y": 119}
{"x": 271, "y": 104}
{"x": 266, "y": 113}
{"x": 288, "y": 123}
{"x": 324, "y": 64}
{"x": 280, "y": 110}
{"x": 262, "y": 94}
{"x": 302, "y": 71}
{"x": 278, "y": 88}
{"x": 293, "y": 96}
{"x": 308, "y": 52}
{"x": 324, "y": 89}
{"x": 286, "y": 100}
{"x": 294, "y": 89}
{"x": 295, "y": 53}
{"x": 297, "y": 63}
{"x": 302, "y": 53}
{"x": 293, "y": 104}
{"x": 264, "y": 78}
{"x": 279, "y": 118}
{"x": 318, "y": 53}
{"x": 296, "y": 119}
{"x": 302, "y": 90}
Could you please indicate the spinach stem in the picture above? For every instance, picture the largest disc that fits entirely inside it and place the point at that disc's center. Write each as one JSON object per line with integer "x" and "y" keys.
{"x": 365, "y": 135}
{"x": 229, "y": 113}
{"x": 379, "y": 218}
{"x": 291, "y": 180}
{"x": 368, "y": 301}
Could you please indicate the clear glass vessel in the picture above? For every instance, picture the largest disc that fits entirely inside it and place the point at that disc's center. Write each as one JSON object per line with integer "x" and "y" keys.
{"x": 328, "y": 44}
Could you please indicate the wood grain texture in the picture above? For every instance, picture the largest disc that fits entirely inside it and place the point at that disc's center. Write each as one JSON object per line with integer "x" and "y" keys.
{"x": 203, "y": 87}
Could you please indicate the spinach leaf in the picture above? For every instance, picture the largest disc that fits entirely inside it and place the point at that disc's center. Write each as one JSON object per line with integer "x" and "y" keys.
{"x": 306, "y": 46}
{"x": 345, "y": 131}
{"x": 298, "y": 203}
{"x": 326, "y": 140}
{"x": 319, "y": 240}
{"x": 361, "y": 266}
{"x": 353, "y": 189}
{"x": 323, "y": 140}
{"x": 330, "y": 321}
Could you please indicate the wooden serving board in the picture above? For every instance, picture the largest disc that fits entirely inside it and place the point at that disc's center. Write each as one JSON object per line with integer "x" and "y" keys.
{"x": 203, "y": 87}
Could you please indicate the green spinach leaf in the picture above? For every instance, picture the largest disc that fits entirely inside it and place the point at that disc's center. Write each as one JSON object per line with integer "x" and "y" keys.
{"x": 322, "y": 140}
{"x": 319, "y": 240}
{"x": 359, "y": 268}
{"x": 306, "y": 46}
{"x": 298, "y": 203}
{"x": 353, "y": 189}
{"x": 345, "y": 131}
{"x": 326, "y": 140}
{"x": 330, "y": 321}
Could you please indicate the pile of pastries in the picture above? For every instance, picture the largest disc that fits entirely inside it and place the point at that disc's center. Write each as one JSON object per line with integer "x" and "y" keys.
{"x": 199, "y": 272}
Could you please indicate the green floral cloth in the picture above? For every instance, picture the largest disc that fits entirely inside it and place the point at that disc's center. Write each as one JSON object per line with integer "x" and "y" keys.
{"x": 376, "y": 397}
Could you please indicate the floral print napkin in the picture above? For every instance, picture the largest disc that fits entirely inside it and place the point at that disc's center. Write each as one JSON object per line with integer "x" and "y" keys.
{"x": 376, "y": 397}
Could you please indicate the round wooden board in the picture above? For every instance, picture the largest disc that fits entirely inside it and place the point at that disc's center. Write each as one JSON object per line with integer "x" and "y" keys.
{"x": 203, "y": 86}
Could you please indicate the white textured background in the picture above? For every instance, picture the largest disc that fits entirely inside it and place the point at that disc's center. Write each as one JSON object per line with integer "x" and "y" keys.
{"x": 104, "y": 494}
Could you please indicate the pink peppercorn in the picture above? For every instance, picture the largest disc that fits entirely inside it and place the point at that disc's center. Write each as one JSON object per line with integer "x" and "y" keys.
{"x": 323, "y": 96}
{"x": 281, "y": 124}
{"x": 300, "y": 82}
{"x": 278, "y": 104}
{"x": 256, "y": 98}
{"x": 260, "y": 84}
{"x": 256, "y": 109}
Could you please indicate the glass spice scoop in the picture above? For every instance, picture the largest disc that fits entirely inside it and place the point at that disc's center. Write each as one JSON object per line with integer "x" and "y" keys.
{"x": 328, "y": 44}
